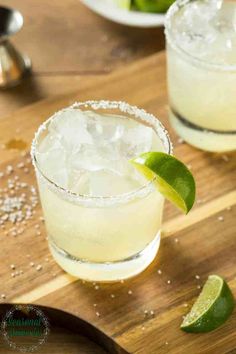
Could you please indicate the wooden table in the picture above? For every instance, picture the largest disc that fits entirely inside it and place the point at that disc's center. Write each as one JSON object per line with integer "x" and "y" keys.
{"x": 201, "y": 243}
{"x": 67, "y": 44}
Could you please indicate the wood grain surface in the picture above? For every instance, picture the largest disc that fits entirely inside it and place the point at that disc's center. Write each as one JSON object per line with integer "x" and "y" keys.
{"x": 66, "y": 42}
{"x": 201, "y": 243}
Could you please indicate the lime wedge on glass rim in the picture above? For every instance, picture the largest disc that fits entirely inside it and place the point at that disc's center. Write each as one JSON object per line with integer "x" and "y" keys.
{"x": 172, "y": 178}
{"x": 212, "y": 308}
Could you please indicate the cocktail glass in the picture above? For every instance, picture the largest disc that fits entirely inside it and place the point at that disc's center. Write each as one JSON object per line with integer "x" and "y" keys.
{"x": 201, "y": 55}
{"x": 102, "y": 237}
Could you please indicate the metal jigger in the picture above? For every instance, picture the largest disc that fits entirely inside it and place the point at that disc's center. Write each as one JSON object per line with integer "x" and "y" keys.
{"x": 13, "y": 65}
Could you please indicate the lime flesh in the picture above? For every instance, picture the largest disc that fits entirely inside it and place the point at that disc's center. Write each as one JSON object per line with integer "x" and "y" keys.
{"x": 160, "y": 6}
{"x": 172, "y": 178}
{"x": 212, "y": 308}
{"x": 122, "y": 4}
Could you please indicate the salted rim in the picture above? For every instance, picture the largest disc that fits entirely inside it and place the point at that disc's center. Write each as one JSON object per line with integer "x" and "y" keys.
{"x": 124, "y": 107}
{"x": 174, "y": 8}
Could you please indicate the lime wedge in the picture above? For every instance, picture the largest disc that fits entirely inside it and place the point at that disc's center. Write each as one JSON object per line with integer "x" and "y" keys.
{"x": 153, "y": 5}
{"x": 212, "y": 308}
{"x": 122, "y": 4}
{"x": 173, "y": 179}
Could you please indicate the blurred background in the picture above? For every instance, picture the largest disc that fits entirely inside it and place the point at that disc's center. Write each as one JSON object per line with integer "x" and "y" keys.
{"x": 68, "y": 43}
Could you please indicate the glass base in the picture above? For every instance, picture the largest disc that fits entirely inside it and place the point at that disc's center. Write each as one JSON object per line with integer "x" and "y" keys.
{"x": 204, "y": 139}
{"x": 109, "y": 271}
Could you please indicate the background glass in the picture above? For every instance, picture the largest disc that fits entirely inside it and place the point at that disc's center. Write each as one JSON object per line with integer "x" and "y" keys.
{"x": 201, "y": 56}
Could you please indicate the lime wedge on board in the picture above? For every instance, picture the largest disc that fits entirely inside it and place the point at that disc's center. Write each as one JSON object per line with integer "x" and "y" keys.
{"x": 212, "y": 308}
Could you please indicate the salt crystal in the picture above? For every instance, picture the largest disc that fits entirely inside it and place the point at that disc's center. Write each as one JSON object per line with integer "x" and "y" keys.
{"x": 130, "y": 292}
{"x": 220, "y": 218}
{"x": 20, "y": 165}
{"x": 180, "y": 141}
{"x": 159, "y": 271}
{"x": 39, "y": 267}
{"x": 97, "y": 314}
{"x": 225, "y": 158}
{"x": 9, "y": 169}
{"x": 104, "y": 38}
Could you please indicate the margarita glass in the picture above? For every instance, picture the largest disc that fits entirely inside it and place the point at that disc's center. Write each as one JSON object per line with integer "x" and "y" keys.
{"x": 201, "y": 55}
{"x": 103, "y": 218}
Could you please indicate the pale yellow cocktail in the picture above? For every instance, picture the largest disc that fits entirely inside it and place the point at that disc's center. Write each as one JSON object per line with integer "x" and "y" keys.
{"x": 102, "y": 217}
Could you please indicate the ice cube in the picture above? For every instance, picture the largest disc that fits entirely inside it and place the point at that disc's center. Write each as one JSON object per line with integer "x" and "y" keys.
{"x": 79, "y": 182}
{"x": 53, "y": 165}
{"x": 88, "y": 158}
{"x": 136, "y": 140}
{"x": 48, "y": 143}
{"x": 60, "y": 177}
{"x": 104, "y": 128}
{"x": 71, "y": 127}
{"x": 89, "y": 153}
{"x": 207, "y": 30}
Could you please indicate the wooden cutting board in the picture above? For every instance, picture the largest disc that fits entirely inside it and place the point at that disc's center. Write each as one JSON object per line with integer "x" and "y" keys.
{"x": 202, "y": 243}
{"x": 67, "y": 333}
